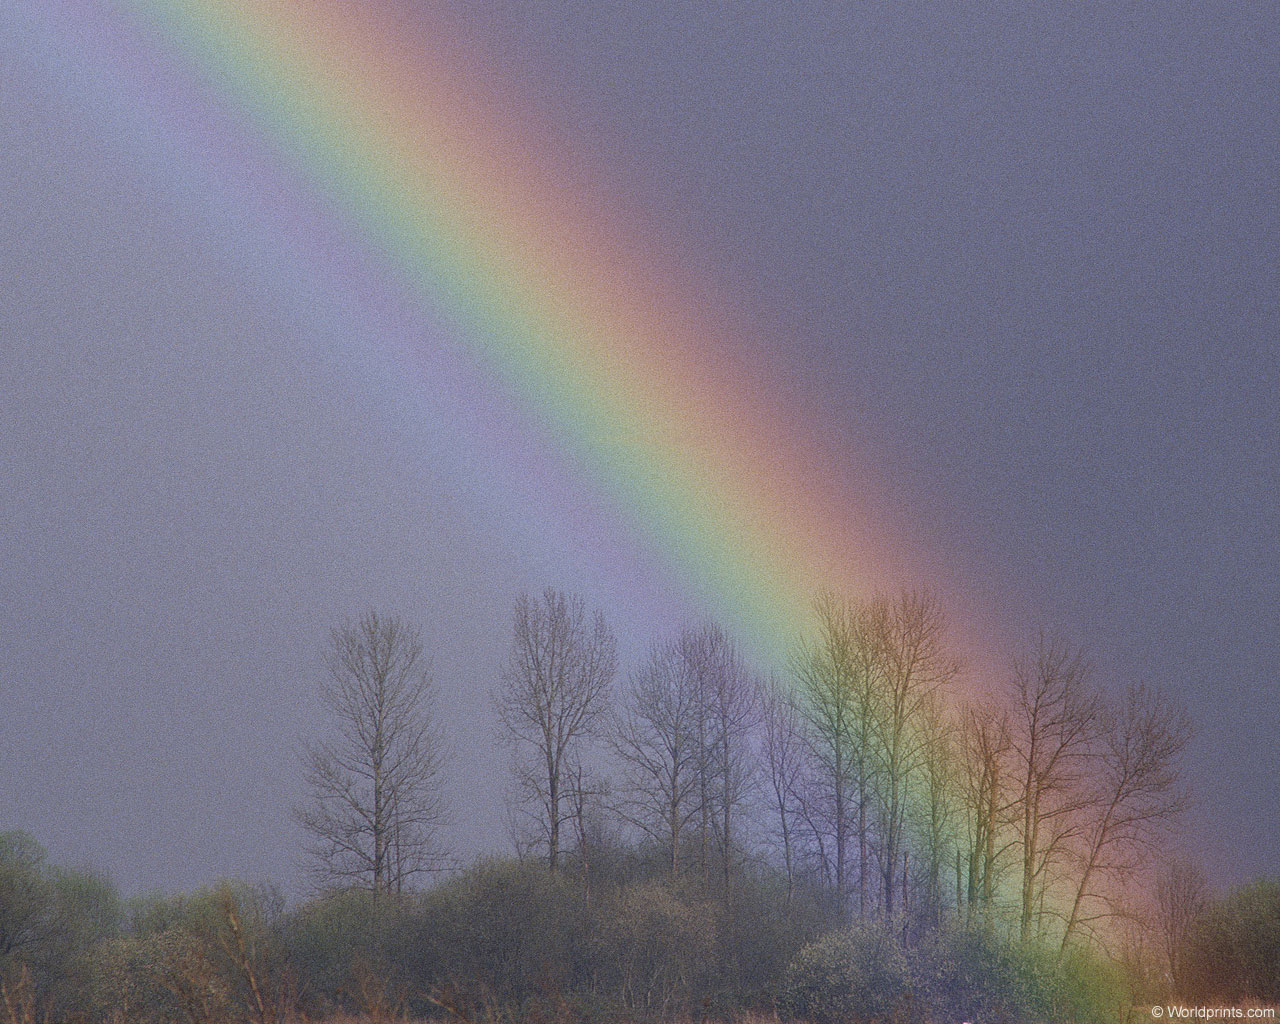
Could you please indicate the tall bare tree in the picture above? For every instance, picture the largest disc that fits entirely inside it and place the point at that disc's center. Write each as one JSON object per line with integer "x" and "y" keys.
{"x": 836, "y": 674}
{"x": 727, "y": 712}
{"x": 1182, "y": 896}
{"x": 986, "y": 784}
{"x": 553, "y": 697}
{"x": 699, "y": 656}
{"x": 783, "y": 747}
{"x": 936, "y": 819}
{"x": 655, "y": 736}
{"x": 1133, "y": 796}
{"x": 908, "y": 640}
{"x": 376, "y": 808}
{"x": 1056, "y": 718}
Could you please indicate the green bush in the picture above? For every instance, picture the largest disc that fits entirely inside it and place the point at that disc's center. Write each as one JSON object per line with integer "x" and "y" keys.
{"x": 1233, "y": 951}
{"x": 971, "y": 974}
{"x": 856, "y": 975}
{"x": 863, "y": 974}
{"x": 656, "y": 949}
{"x": 336, "y": 941}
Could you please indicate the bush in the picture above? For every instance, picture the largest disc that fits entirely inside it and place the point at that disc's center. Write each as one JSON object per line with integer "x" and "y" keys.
{"x": 1233, "y": 951}
{"x": 501, "y": 933}
{"x": 760, "y": 932}
{"x": 970, "y": 974}
{"x": 864, "y": 975}
{"x": 658, "y": 948}
{"x": 337, "y": 940}
{"x": 859, "y": 974}
{"x": 207, "y": 957}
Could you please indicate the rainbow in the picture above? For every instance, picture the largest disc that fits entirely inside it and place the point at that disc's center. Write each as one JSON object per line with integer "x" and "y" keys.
{"x": 397, "y": 169}
{"x": 584, "y": 315}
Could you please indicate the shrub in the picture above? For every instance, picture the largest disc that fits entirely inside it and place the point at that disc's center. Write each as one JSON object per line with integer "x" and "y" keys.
{"x": 331, "y": 940}
{"x": 659, "y": 948}
{"x": 500, "y": 931}
{"x": 859, "y": 974}
{"x": 971, "y": 974}
{"x": 863, "y": 974}
{"x": 1233, "y": 951}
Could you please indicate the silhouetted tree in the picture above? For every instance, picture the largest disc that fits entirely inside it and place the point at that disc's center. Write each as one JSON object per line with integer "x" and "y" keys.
{"x": 376, "y": 807}
{"x": 655, "y": 736}
{"x": 1133, "y": 795}
{"x": 1056, "y": 718}
{"x": 553, "y": 696}
{"x": 1182, "y": 897}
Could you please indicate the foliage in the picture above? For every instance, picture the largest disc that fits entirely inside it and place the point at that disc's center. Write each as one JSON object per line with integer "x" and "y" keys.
{"x": 659, "y": 946}
{"x": 1233, "y": 949}
{"x": 759, "y": 931}
{"x": 51, "y": 918}
{"x": 856, "y": 975}
{"x": 970, "y": 974}
{"x": 25, "y": 896}
{"x": 503, "y": 930}
{"x": 332, "y": 939}
{"x": 975, "y": 974}
{"x": 865, "y": 974}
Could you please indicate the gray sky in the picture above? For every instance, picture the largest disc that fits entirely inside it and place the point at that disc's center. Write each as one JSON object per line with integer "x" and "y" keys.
{"x": 1019, "y": 261}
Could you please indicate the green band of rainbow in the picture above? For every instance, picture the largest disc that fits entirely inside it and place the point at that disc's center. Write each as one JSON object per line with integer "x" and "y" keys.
{"x": 615, "y": 356}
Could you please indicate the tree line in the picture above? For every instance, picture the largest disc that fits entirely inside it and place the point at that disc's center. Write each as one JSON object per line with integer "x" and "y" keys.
{"x": 856, "y": 837}
{"x": 864, "y": 769}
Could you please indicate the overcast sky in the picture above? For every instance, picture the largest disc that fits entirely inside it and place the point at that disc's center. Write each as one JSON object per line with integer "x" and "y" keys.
{"x": 1020, "y": 261}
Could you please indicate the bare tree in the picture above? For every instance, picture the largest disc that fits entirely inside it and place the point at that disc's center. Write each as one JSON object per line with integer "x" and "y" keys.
{"x": 727, "y": 711}
{"x": 699, "y": 657}
{"x": 1133, "y": 796}
{"x": 783, "y": 753}
{"x": 1055, "y": 723}
{"x": 836, "y": 690}
{"x": 376, "y": 808}
{"x": 586, "y": 795}
{"x": 655, "y": 736}
{"x": 914, "y": 664}
{"x": 936, "y": 817}
{"x": 553, "y": 697}
{"x": 986, "y": 785}
{"x": 1182, "y": 896}
{"x": 684, "y": 738}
